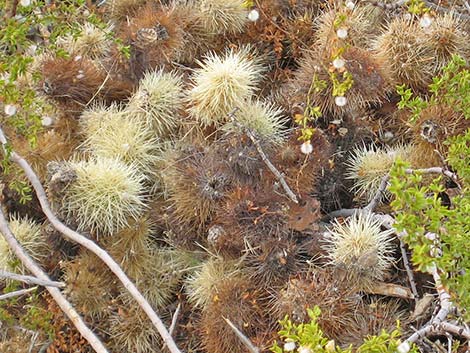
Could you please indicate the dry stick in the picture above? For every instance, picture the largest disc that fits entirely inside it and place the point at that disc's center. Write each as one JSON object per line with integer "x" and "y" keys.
{"x": 66, "y": 307}
{"x": 378, "y": 195}
{"x": 30, "y": 279}
{"x": 265, "y": 158}
{"x": 387, "y": 6}
{"x": 443, "y": 9}
{"x": 174, "y": 320}
{"x": 408, "y": 269}
{"x": 93, "y": 247}
{"x": 245, "y": 340}
{"x": 17, "y": 293}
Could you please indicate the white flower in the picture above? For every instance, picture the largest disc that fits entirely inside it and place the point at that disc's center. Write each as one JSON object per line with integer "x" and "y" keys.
{"x": 77, "y": 58}
{"x": 25, "y": 2}
{"x": 426, "y": 21}
{"x": 338, "y": 63}
{"x": 306, "y": 147}
{"x": 350, "y": 5}
{"x": 289, "y": 346}
{"x": 305, "y": 350}
{"x": 342, "y": 33}
{"x": 47, "y": 121}
{"x": 340, "y": 101}
{"x": 253, "y": 15}
{"x": 10, "y": 109}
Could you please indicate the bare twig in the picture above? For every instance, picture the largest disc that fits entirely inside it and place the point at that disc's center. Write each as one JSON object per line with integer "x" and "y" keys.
{"x": 408, "y": 270}
{"x": 264, "y": 157}
{"x": 45, "y": 346}
{"x": 92, "y": 246}
{"x": 174, "y": 320}
{"x": 386, "y": 6}
{"x": 443, "y": 9}
{"x": 378, "y": 194}
{"x": 17, "y": 293}
{"x": 30, "y": 279}
{"x": 66, "y": 307}
{"x": 390, "y": 290}
{"x": 245, "y": 340}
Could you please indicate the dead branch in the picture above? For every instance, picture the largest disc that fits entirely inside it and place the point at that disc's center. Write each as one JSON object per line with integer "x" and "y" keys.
{"x": 245, "y": 340}
{"x": 66, "y": 307}
{"x": 378, "y": 194}
{"x": 17, "y": 293}
{"x": 174, "y": 320}
{"x": 390, "y": 290}
{"x": 90, "y": 245}
{"x": 443, "y": 9}
{"x": 30, "y": 279}
{"x": 264, "y": 157}
{"x": 386, "y": 6}
{"x": 408, "y": 269}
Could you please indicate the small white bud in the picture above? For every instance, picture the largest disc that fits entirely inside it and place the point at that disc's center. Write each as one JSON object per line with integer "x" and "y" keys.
{"x": 5, "y": 76}
{"x": 25, "y": 2}
{"x": 330, "y": 346}
{"x": 47, "y": 121}
{"x": 10, "y": 109}
{"x": 80, "y": 76}
{"x": 350, "y": 5}
{"x": 304, "y": 349}
{"x": 342, "y": 33}
{"x": 425, "y": 21}
{"x": 253, "y": 15}
{"x": 77, "y": 58}
{"x": 340, "y": 101}
{"x": 289, "y": 346}
{"x": 388, "y": 135}
{"x": 407, "y": 16}
{"x": 338, "y": 63}
{"x": 431, "y": 236}
{"x": 306, "y": 147}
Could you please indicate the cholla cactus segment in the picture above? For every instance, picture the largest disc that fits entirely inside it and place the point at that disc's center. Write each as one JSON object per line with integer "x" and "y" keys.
{"x": 201, "y": 285}
{"x": 29, "y": 235}
{"x": 447, "y": 36}
{"x": 119, "y": 9}
{"x": 360, "y": 248}
{"x": 368, "y": 165}
{"x": 221, "y": 84}
{"x": 358, "y": 26}
{"x": 158, "y": 101}
{"x": 222, "y": 16}
{"x": 106, "y": 194}
{"x": 262, "y": 118}
{"x": 87, "y": 274}
{"x": 92, "y": 42}
{"x": 115, "y": 135}
{"x": 406, "y": 53}
{"x": 131, "y": 331}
